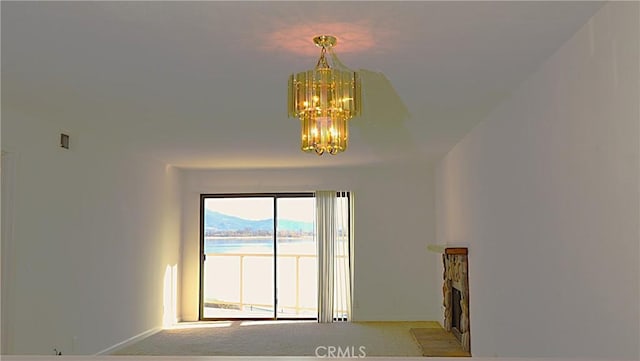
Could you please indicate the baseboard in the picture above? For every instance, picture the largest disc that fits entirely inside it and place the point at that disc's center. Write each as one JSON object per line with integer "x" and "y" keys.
{"x": 129, "y": 341}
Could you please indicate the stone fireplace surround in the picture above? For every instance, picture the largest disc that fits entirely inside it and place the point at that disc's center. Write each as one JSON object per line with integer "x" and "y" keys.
{"x": 455, "y": 276}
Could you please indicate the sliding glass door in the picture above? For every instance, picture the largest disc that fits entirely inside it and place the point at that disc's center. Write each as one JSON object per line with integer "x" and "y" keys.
{"x": 238, "y": 255}
{"x": 297, "y": 263}
{"x": 258, "y": 256}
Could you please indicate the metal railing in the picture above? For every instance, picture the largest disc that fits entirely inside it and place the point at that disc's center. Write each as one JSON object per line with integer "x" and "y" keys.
{"x": 241, "y": 305}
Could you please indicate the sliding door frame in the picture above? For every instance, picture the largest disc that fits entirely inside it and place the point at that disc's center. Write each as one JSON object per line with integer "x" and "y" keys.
{"x": 275, "y": 196}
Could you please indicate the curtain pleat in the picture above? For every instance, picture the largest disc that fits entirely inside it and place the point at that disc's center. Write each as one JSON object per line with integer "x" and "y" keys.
{"x": 333, "y": 232}
{"x": 350, "y": 250}
{"x": 325, "y": 234}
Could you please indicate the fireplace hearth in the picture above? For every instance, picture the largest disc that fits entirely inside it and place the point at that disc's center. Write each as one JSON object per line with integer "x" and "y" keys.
{"x": 455, "y": 290}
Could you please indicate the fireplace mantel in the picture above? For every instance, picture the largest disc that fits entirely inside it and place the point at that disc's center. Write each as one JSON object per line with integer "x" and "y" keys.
{"x": 456, "y": 250}
{"x": 448, "y": 248}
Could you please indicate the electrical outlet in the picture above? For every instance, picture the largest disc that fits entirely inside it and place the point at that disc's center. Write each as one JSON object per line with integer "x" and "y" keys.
{"x": 64, "y": 140}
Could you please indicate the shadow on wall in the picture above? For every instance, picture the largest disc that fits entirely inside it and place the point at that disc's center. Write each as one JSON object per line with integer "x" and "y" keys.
{"x": 382, "y": 123}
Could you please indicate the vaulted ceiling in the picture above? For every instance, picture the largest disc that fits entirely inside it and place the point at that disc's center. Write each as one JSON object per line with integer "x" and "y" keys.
{"x": 203, "y": 84}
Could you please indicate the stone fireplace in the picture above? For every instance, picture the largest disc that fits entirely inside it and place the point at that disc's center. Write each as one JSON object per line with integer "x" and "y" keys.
{"x": 455, "y": 290}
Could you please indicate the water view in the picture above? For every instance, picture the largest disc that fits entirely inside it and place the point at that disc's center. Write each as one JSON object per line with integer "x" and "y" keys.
{"x": 259, "y": 245}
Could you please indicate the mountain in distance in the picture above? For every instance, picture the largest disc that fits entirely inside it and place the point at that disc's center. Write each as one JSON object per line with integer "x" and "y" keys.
{"x": 219, "y": 223}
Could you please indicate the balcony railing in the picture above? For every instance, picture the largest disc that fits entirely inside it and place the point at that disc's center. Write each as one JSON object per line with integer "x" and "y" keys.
{"x": 230, "y": 276}
{"x": 240, "y": 273}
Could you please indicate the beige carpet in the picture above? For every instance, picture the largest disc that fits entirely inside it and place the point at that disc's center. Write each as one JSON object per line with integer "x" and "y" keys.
{"x": 281, "y": 338}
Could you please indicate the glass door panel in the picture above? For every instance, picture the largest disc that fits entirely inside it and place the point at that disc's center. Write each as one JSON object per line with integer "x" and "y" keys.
{"x": 238, "y": 269}
{"x": 296, "y": 261}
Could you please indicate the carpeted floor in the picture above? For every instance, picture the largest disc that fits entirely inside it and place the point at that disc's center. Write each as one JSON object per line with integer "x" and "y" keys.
{"x": 282, "y": 338}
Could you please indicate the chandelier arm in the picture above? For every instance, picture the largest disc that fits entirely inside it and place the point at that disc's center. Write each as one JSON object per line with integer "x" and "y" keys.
{"x": 322, "y": 61}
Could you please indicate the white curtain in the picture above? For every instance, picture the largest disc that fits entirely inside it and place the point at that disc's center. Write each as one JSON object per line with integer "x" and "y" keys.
{"x": 334, "y": 236}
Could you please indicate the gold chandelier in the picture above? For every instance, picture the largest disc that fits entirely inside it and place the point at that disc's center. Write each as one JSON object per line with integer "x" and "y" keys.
{"x": 324, "y": 99}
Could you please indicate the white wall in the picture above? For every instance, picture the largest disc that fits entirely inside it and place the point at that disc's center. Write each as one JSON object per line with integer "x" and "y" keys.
{"x": 93, "y": 230}
{"x": 394, "y": 221}
{"x": 545, "y": 192}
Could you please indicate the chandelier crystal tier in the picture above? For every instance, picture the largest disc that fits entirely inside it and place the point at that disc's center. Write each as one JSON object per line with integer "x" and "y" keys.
{"x": 324, "y": 99}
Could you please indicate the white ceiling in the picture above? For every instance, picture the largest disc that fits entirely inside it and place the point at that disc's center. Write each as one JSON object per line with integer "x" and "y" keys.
{"x": 203, "y": 84}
